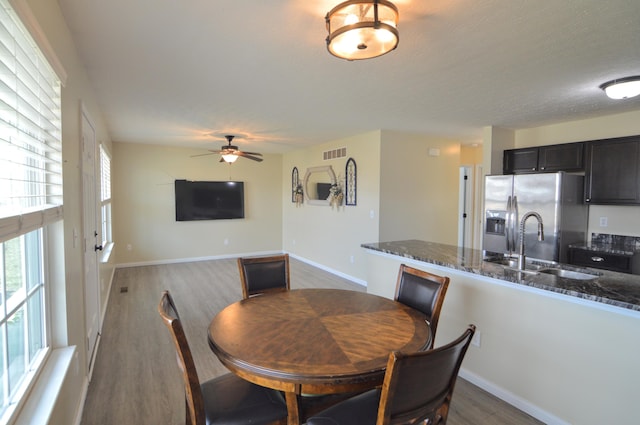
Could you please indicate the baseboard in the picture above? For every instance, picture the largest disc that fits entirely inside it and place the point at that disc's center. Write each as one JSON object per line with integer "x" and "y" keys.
{"x": 194, "y": 259}
{"x": 330, "y": 270}
{"x": 83, "y": 399}
{"x": 514, "y": 400}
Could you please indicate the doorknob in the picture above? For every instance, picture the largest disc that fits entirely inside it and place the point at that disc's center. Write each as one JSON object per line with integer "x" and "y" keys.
{"x": 97, "y": 247}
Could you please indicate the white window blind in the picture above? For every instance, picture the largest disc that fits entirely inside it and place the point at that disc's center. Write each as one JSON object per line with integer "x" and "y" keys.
{"x": 30, "y": 133}
{"x": 105, "y": 175}
{"x": 105, "y": 196}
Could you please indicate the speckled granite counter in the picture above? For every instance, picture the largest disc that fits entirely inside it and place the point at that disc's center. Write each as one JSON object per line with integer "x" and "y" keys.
{"x": 617, "y": 289}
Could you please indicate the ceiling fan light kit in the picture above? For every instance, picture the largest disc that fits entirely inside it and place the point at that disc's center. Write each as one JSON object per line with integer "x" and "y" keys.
{"x": 622, "y": 88}
{"x": 230, "y": 153}
{"x": 229, "y": 158}
{"x": 361, "y": 29}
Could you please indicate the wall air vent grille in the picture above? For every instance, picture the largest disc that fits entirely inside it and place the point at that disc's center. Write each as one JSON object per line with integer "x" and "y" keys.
{"x": 334, "y": 154}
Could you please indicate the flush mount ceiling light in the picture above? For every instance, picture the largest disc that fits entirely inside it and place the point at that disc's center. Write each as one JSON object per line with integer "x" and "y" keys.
{"x": 361, "y": 29}
{"x": 622, "y": 88}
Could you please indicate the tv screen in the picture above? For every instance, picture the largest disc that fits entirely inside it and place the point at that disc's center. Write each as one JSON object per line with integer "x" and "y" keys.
{"x": 323, "y": 190}
{"x": 202, "y": 200}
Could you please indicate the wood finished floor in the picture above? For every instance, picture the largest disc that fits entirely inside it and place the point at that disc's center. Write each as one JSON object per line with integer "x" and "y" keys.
{"x": 136, "y": 379}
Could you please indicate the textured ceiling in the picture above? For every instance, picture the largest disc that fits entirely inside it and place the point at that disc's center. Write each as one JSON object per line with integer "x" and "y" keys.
{"x": 187, "y": 72}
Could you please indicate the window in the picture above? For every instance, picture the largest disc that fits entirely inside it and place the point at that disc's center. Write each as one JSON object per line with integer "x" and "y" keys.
{"x": 30, "y": 202}
{"x": 105, "y": 195}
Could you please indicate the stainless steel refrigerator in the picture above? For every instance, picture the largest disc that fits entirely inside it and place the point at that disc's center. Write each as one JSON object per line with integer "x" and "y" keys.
{"x": 557, "y": 197}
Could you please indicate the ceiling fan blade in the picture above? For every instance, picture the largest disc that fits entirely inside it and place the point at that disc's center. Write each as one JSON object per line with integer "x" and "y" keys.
{"x": 252, "y": 153}
{"x": 246, "y": 155}
{"x": 203, "y": 154}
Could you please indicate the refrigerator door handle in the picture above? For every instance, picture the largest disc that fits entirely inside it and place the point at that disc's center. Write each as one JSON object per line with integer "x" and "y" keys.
{"x": 514, "y": 223}
{"x": 508, "y": 226}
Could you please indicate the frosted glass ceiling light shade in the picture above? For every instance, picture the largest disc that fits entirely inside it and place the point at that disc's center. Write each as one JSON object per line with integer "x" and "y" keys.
{"x": 622, "y": 88}
{"x": 361, "y": 29}
{"x": 229, "y": 157}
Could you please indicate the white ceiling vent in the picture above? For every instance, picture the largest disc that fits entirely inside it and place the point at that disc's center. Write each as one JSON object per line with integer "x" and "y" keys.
{"x": 334, "y": 154}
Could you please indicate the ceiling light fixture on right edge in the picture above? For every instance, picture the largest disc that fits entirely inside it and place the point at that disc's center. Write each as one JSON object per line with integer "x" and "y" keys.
{"x": 622, "y": 88}
{"x": 360, "y": 29}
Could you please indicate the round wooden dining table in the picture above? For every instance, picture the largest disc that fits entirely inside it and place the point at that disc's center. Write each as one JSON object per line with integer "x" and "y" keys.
{"x": 315, "y": 341}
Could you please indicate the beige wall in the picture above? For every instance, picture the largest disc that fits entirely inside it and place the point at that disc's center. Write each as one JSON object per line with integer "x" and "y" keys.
{"x": 622, "y": 220}
{"x": 495, "y": 141}
{"x": 69, "y": 304}
{"x": 418, "y": 191}
{"x": 144, "y": 205}
{"x": 471, "y": 155}
{"x": 327, "y": 236}
{"x": 561, "y": 359}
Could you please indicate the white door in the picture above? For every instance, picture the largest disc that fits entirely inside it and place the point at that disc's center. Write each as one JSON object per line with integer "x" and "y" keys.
{"x": 90, "y": 235}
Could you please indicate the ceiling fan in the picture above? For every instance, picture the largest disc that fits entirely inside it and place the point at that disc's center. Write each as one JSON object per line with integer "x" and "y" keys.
{"x": 229, "y": 153}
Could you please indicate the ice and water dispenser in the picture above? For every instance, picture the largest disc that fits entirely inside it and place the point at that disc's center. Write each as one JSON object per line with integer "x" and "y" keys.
{"x": 495, "y": 223}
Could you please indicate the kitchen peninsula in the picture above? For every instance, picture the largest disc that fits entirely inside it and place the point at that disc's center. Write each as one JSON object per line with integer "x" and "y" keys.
{"x": 562, "y": 350}
{"x": 616, "y": 289}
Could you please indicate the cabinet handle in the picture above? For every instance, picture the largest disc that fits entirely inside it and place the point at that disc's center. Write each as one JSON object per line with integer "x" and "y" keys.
{"x": 597, "y": 259}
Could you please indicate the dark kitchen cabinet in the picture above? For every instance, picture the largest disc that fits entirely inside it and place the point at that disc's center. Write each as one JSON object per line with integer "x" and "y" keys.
{"x": 603, "y": 260}
{"x": 548, "y": 159}
{"x": 520, "y": 161}
{"x": 612, "y": 173}
{"x": 566, "y": 157}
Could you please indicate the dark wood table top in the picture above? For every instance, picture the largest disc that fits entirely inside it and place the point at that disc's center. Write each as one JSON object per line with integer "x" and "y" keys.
{"x": 315, "y": 341}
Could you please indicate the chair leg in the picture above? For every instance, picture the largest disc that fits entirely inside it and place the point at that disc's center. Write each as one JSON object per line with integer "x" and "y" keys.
{"x": 188, "y": 420}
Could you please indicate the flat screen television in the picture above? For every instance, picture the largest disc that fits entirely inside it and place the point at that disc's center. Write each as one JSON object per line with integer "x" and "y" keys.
{"x": 323, "y": 190}
{"x": 205, "y": 200}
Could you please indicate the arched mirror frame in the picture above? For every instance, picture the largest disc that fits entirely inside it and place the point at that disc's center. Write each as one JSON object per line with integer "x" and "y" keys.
{"x": 320, "y": 169}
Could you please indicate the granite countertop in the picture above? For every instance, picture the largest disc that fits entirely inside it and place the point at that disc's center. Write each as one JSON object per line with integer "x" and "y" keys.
{"x": 617, "y": 289}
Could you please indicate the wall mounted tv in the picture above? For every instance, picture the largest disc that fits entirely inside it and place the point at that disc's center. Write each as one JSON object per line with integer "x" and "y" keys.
{"x": 203, "y": 200}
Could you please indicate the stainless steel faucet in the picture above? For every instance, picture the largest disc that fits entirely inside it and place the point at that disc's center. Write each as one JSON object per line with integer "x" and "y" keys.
{"x": 521, "y": 257}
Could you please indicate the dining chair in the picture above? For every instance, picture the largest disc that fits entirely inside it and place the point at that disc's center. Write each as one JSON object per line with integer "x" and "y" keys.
{"x": 259, "y": 275}
{"x": 424, "y": 292}
{"x": 417, "y": 389}
{"x": 225, "y": 400}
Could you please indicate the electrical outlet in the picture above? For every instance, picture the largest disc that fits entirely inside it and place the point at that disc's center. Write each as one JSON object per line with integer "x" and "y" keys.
{"x": 476, "y": 339}
{"x": 351, "y": 259}
{"x": 226, "y": 241}
{"x": 604, "y": 221}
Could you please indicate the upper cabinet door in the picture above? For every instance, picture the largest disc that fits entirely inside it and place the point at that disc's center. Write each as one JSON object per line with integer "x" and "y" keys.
{"x": 520, "y": 161}
{"x": 613, "y": 171}
{"x": 565, "y": 157}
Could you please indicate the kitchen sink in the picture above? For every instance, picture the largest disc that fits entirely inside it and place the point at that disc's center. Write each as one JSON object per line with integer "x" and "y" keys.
{"x": 569, "y": 274}
{"x": 512, "y": 263}
{"x": 509, "y": 262}
{"x": 535, "y": 268}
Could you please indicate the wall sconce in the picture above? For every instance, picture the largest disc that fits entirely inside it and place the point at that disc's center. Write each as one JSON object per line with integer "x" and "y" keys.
{"x": 361, "y": 29}
{"x": 622, "y": 88}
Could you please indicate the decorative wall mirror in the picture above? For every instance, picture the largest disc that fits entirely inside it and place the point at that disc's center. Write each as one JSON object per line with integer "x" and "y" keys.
{"x": 317, "y": 182}
{"x": 351, "y": 181}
